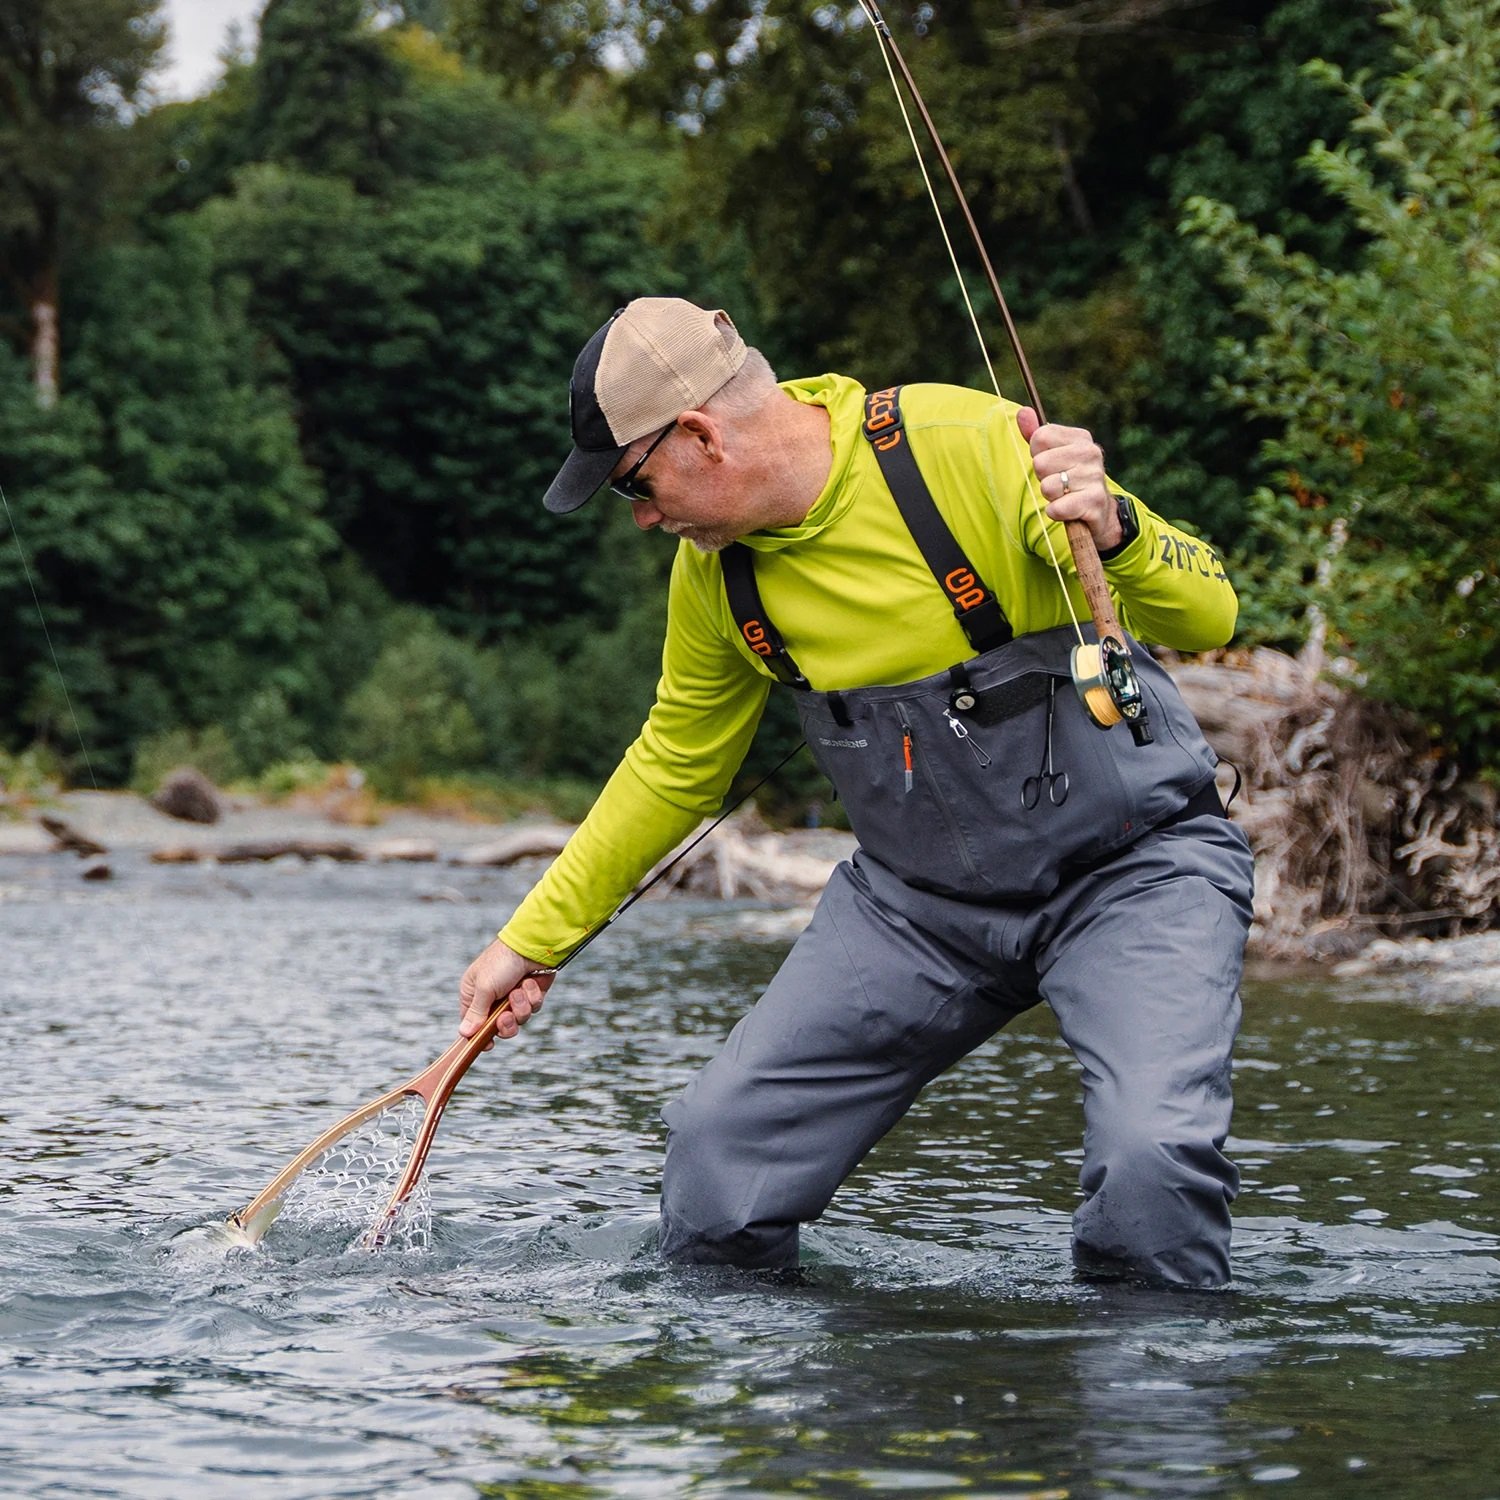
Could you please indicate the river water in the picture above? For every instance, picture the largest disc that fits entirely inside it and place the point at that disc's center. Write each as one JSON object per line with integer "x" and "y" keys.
{"x": 173, "y": 1036}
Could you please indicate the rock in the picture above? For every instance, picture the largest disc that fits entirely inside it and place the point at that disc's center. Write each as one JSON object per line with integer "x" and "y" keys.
{"x": 406, "y": 851}
{"x": 177, "y": 854}
{"x": 520, "y": 843}
{"x": 261, "y": 851}
{"x": 188, "y": 794}
{"x": 67, "y": 838}
{"x": 97, "y": 869}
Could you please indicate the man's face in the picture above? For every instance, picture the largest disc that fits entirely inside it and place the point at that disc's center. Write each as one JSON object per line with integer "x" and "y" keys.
{"x": 681, "y": 489}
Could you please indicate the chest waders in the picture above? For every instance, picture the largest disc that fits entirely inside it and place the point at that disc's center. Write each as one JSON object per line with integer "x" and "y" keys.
{"x": 1000, "y": 866}
{"x": 940, "y": 777}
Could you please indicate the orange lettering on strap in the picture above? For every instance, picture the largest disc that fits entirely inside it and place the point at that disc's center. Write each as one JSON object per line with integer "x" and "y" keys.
{"x": 881, "y": 412}
{"x": 755, "y": 635}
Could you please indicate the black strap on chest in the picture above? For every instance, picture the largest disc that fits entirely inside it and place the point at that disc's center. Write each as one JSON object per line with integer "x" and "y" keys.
{"x": 762, "y": 637}
{"x": 975, "y": 607}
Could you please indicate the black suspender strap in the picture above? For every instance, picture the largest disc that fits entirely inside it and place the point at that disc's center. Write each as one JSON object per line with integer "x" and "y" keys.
{"x": 755, "y": 628}
{"x": 975, "y": 607}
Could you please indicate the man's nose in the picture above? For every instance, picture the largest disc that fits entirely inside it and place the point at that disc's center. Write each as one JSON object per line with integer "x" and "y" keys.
{"x": 645, "y": 514}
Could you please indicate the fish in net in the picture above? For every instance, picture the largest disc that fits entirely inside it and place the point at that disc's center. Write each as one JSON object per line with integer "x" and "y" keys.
{"x": 347, "y": 1189}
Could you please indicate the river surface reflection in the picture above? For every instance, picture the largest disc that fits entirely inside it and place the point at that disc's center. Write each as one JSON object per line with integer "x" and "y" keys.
{"x": 173, "y": 1036}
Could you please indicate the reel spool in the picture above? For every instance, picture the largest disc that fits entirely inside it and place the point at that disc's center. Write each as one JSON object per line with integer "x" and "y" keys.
{"x": 1109, "y": 689}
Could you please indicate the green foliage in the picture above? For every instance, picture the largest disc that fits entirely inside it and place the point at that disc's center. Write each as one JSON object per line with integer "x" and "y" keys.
{"x": 328, "y": 96}
{"x": 430, "y": 332}
{"x": 432, "y": 704}
{"x": 266, "y": 731}
{"x": 69, "y": 71}
{"x": 1379, "y": 383}
{"x": 209, "y": 749}
{"x": 1248, "y": 110}
{"x": 172, "y": 527}
{"x": 33, "y": 772}
{"x": 285, "y": 778}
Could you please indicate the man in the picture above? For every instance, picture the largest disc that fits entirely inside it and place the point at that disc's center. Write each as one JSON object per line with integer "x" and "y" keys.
{"x": 1010, "y": 851}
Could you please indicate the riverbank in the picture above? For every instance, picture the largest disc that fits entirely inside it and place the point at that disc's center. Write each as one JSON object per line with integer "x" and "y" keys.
{"x": 1368, "y": 854}
{"x": 740, "y": 860}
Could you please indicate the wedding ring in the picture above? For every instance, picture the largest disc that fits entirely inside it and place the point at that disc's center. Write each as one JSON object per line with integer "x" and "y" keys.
{"x": 1064, "y": 477}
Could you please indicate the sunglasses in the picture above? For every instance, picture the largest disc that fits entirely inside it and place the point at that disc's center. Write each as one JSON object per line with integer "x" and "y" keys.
{"x": 629, "y": 486}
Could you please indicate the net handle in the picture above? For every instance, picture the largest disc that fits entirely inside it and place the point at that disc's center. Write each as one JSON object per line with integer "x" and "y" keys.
{"x": 434, "y": 1084}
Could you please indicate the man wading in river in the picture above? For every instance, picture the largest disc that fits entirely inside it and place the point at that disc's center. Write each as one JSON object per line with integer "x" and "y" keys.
{"x": 1009, "y": 852}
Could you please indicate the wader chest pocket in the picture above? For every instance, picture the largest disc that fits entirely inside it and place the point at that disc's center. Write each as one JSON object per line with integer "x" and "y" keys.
{"x": 937, "y": 797}
{"x": 941, "y": 796}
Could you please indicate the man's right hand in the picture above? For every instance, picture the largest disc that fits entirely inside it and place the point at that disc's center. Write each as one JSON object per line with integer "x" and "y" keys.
{"x": 500, "y": 973}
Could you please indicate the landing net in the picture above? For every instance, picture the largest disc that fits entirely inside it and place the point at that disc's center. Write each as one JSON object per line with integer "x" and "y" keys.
{"x": 346, "y": 1189}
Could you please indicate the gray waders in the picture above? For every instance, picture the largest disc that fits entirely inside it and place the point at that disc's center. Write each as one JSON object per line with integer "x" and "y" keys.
{"x": 1010, "y": 852}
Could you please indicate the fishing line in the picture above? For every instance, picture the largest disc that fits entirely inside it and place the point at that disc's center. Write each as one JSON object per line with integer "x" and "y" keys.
{"x": 47, "y": 634}
{"x": 877, "y": 23}
{"x": 681, "y": 854}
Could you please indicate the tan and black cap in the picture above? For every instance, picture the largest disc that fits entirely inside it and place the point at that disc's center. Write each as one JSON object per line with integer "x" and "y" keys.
{"x": 656, "y": 358}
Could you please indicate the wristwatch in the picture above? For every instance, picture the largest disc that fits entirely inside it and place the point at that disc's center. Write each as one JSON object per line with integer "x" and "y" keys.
{"x": 1130, "y": 528}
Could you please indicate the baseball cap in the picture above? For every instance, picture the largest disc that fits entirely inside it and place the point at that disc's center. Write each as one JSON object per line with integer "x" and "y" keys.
{"x": 656, "y": 358}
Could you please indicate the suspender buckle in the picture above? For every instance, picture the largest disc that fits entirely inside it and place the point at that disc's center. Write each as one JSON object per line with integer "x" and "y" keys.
{"x": 985, "y": 624}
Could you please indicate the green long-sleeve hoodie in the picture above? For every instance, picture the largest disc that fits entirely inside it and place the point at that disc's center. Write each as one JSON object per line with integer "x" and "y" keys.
{"x": 857, "y": 606}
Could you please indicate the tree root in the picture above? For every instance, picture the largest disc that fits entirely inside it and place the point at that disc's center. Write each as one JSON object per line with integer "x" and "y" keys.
{"x": 1360, "y": 829}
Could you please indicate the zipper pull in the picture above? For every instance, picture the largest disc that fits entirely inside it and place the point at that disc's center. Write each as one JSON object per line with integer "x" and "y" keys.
{"x": 906, "y": 751}
{"x": 962, "y": 731}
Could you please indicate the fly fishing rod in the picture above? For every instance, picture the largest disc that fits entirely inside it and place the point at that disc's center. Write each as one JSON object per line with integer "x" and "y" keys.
{"x": 1103, "y": 674}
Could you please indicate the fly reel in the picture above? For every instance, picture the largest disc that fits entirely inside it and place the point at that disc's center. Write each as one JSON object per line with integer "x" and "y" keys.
{"x": 1109, "y": 689}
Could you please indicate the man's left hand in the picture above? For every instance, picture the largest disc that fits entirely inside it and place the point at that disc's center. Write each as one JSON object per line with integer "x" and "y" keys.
{"x": 1069, "y": 466}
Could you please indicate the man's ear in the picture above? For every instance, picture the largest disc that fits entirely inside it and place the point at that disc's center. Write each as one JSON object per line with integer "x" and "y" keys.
{"x": 707, "y": 431}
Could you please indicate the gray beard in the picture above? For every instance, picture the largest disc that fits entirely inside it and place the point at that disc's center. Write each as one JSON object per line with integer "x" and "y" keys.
{"x": 704, "y": 541}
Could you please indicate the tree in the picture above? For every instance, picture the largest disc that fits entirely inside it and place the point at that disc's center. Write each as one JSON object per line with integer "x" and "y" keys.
{"x": 429, "y": 327}
{"x": 71, "y": 72}
{"x": 329, "y": 96}
{"x": 1248, "y": 110}
{"x": 172, "y": 527}
{"x": 1380, "y": 382}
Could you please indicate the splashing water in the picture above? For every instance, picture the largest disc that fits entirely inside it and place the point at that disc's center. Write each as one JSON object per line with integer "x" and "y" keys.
{"x": 347, "y": 1188}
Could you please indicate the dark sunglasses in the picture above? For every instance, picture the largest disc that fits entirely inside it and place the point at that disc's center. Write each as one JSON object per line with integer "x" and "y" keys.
{"x": 628, "y": 486}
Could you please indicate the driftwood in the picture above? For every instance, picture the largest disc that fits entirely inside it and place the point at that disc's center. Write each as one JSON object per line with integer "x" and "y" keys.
{"x": 403, "y": 851}
{"x": 67, "y": 839}
{"x": 264, "y": 850}
{"x": 519, "y": 843}
{"x": 739, "y": 860}
{"x": 1358, "y": 826}
{"x": 188, "y": 794}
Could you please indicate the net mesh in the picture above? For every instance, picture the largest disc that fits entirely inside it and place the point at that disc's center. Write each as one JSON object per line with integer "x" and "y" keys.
{"x": 346, "y": 1189}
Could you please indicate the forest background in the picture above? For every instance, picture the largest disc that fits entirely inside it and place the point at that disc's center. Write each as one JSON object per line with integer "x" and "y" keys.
{"x": 284, "y": 370}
